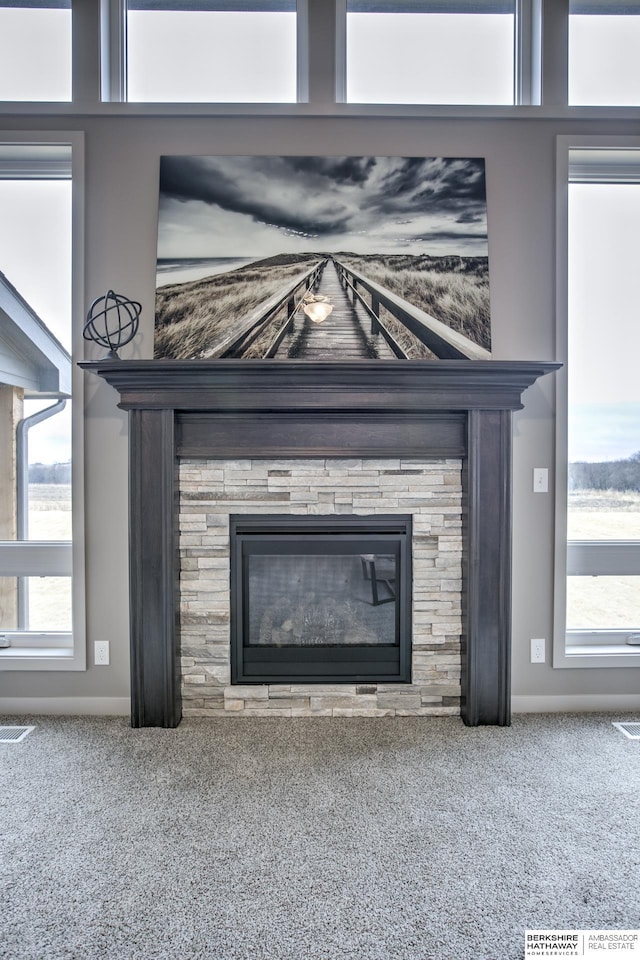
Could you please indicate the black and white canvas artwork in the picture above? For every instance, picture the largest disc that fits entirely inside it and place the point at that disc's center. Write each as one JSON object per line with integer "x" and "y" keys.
{"x": 322, "y": 258}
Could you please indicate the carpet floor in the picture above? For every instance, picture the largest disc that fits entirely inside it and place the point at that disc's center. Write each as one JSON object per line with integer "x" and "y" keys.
{"x": 327, "y": 839}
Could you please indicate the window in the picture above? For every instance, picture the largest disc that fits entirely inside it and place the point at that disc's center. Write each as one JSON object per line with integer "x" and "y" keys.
{"x": 35, "y": 49}
{"x": 206, "y": 50}
{"x": 427, "y": 51}
{"x": 603, "y": 404}
{"x": 40, "y": 616}
{"x": 604, "y": 38}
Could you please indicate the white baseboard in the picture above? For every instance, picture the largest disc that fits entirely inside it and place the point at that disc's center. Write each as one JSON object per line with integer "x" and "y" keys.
{"x": 577, "y": 703}
{"x": 66, "y": 706}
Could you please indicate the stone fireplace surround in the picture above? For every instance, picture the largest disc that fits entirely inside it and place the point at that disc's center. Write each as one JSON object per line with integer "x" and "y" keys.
{"x": 428, "y": 410}
{"x": 212, "y": 490}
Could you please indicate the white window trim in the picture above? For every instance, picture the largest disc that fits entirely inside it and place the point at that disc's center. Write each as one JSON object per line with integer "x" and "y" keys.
{"x": 39, "y": 650}
{"x": 597, "y": 648}
{"x": 113, "y": 50}
{"x": 528, "y": 53}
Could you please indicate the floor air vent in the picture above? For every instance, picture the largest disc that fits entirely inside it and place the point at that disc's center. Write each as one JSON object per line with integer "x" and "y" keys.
{"x": 630, "y": 729}
{"x": 16, "y": 734}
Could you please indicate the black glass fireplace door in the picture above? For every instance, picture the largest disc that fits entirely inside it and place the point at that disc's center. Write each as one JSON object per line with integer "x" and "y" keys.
{"x": 320, "y": 599}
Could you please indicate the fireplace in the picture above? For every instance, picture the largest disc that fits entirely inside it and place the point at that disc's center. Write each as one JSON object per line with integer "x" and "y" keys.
{"x": 293, "y": 499}
{"x": 269, "y": 410}
{"x": 320, "y": 599}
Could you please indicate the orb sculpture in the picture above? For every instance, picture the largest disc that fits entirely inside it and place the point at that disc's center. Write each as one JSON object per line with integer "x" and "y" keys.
{"x": 112, "y": 321}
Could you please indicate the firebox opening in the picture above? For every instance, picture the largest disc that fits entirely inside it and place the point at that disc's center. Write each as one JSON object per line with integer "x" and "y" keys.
{"x": 320, "y": 599}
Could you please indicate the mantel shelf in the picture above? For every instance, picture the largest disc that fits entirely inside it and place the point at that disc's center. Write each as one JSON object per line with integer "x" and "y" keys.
{"x": 257, "y": 385}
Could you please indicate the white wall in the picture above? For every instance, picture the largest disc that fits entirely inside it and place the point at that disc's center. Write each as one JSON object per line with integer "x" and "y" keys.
{"x": 122, "y": 155}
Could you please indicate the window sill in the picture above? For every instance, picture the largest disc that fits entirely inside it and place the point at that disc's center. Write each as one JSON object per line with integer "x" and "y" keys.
{"x": 320, "y": 109}
{"x": 40, "y": 658}
{"x": 600, "y": 656}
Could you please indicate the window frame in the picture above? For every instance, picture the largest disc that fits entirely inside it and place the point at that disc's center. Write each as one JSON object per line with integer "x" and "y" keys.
{"x": 527, "y": 60}
{"x": 43, "y": 653}
{"x": 591, "y": 648}
{"x": 113, "y": 55}
{"x": 598, "y": 8}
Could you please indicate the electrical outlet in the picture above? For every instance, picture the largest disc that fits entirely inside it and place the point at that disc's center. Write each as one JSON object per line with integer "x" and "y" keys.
{"x": 537, "y": 651}
{"x": 541, "y": 480}
{"x": 101, "y": 653}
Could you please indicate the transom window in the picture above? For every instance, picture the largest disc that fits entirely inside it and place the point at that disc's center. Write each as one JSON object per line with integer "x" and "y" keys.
{"x": 604, "y": 39}
{"x": 428, "y": 51}
{"x": 35, "y": 49}
{"x": 457, "y": 52}
{"x": 211, "y": 50}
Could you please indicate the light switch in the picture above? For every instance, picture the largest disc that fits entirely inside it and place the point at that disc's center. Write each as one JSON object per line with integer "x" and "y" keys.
{"x": 541, "y": 480}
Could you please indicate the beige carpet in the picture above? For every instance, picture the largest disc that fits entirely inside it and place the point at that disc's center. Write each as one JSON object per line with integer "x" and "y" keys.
{"x": 404, "y": 839}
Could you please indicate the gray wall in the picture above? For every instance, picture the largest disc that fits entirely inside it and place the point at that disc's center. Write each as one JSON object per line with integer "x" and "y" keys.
{"x": 121, "y": 210}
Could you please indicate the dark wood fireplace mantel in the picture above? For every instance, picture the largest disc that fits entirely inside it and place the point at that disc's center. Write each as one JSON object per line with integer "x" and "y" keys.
{"x": 232, "y": 408}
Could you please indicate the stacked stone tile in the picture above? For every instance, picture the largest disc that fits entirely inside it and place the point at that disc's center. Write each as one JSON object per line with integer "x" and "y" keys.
{"x": 211, "y": 490}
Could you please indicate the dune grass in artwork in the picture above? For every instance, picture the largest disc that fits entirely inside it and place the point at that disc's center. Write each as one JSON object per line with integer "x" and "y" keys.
{"x": 192, "y": 318}
{"x": 454, "y": 290}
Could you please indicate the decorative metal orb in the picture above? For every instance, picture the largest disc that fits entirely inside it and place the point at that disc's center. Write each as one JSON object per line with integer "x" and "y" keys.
{"x": 112, "y": 321}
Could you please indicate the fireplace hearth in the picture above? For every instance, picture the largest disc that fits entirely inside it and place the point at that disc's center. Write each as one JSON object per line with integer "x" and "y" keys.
{"x": 265, "y": 409}
{"x": 320, "y": 599}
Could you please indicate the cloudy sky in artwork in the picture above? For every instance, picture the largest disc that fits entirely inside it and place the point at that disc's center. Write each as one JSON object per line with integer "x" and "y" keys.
{"x": 260, "y": 206}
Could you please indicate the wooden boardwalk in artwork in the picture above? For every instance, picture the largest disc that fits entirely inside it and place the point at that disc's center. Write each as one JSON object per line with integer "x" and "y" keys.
{"x": 345, "y": 334}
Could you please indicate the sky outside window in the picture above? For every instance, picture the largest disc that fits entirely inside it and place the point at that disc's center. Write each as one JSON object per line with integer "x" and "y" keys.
{"x": 35, "y": 257}
{"x": 430, "y": 56}
{"x": 604, "y": 333}
{"x": 35, "y": 51}
{"x": 604, "y": 66}
{"x": 604, "y": 391}
{"x": 206, "y": 54}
